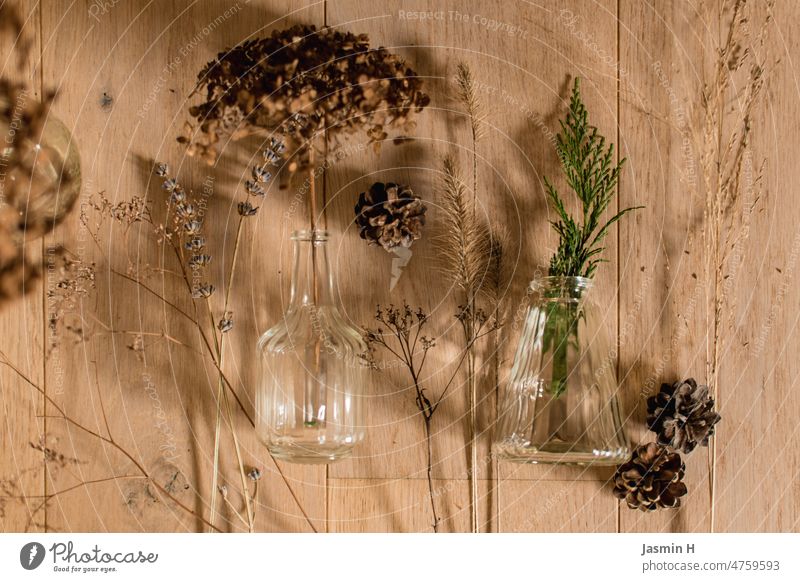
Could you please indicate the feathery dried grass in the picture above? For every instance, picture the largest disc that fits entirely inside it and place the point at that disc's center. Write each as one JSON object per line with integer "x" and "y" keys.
{"x": 468, "y": 96}
{"x": 474, "y": 259}
{"x": 728, "y": 178}
{"x": 466, "y": 243}
{"x": 473, "y": 108}
{"x": 498, "y": 275}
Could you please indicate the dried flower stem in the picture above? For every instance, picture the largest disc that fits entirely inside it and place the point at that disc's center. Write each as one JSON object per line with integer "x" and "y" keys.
{"x": 492, "y": 281}
{"x": 466, "y": 247}
{"x": 312, "y": 194}
{"x": 138, "y": 212}
{"x": 201, "y": 330}
{"x": 405, "y": 327}
{"x": 222, "y": 394}
{"x": 469, "y": 98}
{"x": 473, "y": 108}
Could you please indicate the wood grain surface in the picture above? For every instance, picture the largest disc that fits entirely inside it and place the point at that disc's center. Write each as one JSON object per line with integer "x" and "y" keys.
{"x": 124, "y": 71}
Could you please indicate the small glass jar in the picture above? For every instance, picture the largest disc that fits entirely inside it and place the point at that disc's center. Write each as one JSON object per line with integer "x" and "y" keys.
{"x": 40, "y": 169}
{"x": 560, "y": 405}
{"x": 309, "y": 401}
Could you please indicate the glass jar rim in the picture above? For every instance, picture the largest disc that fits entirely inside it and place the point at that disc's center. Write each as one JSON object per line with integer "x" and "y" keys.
{"x": 310, "y": 235}
{"x": 561, "y": 281}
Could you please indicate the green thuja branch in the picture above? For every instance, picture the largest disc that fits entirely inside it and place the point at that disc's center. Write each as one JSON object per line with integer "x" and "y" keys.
{"x": 591, "y": 172}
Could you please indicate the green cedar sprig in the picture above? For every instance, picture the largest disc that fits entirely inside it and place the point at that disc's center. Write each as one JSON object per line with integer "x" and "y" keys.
{"x": 591, "y": 173}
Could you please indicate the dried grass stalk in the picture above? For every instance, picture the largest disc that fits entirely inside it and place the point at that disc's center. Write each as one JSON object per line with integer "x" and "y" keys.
{"x": 730, "y": 189}
{"x": 725, "y": 154}
{"x": 466, "y": 242}
{"x": 468, "y": 96}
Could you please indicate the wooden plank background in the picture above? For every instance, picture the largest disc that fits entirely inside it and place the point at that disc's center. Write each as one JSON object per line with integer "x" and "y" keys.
{"x": 124, "y": 71}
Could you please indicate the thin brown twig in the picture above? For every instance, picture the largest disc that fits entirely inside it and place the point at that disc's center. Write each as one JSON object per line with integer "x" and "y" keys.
{"x": 108, "y": 440}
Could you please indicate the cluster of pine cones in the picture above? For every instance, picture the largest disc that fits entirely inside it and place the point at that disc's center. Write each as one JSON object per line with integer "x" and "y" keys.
{"x": 682, "y": 415}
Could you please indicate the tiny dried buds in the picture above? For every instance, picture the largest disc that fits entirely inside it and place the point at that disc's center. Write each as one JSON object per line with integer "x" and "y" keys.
{"x": 247, "y": 209}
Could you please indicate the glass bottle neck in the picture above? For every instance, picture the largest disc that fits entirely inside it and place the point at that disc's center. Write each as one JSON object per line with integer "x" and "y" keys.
{"x": 312, "y": 278}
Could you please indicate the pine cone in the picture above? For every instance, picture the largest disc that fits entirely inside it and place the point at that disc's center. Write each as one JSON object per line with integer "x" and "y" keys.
{"x": 682, "y": 415}
{"x": 390, "y": 215}
{"x": 651, "y": 478}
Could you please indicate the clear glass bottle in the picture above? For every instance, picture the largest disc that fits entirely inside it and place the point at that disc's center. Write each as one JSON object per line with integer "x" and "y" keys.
{"x": 560, "y": 405}
{"x": 309, "y": 401}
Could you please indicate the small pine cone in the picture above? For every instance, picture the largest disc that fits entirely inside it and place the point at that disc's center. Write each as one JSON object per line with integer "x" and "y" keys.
{"x": 682, "y": 415}
{"x": 390, "y": 215}
{"x": 651, "y": 479}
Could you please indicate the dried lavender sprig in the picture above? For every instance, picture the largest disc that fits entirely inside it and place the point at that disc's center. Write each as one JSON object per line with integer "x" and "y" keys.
{"x": 225, "y": 324}
{"x": 186, "y": 230}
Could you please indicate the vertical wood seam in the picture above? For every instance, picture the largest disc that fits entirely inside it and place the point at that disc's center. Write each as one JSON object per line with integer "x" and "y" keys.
{"x": 325, "y": 222}
{"x": 619, "y": 278}
{"x": 44, "y": 285}
{"x": 712, "y": 450}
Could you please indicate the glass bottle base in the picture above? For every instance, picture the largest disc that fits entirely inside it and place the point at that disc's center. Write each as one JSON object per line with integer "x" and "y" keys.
{"x": 559, "y": 454}
{"x": 318, "y": 455}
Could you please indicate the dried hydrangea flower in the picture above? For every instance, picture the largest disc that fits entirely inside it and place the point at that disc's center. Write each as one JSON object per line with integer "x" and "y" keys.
{"x": 303, "y": 81}
{"x": 254, "y": 474}
{"x": 161, "y": 169}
